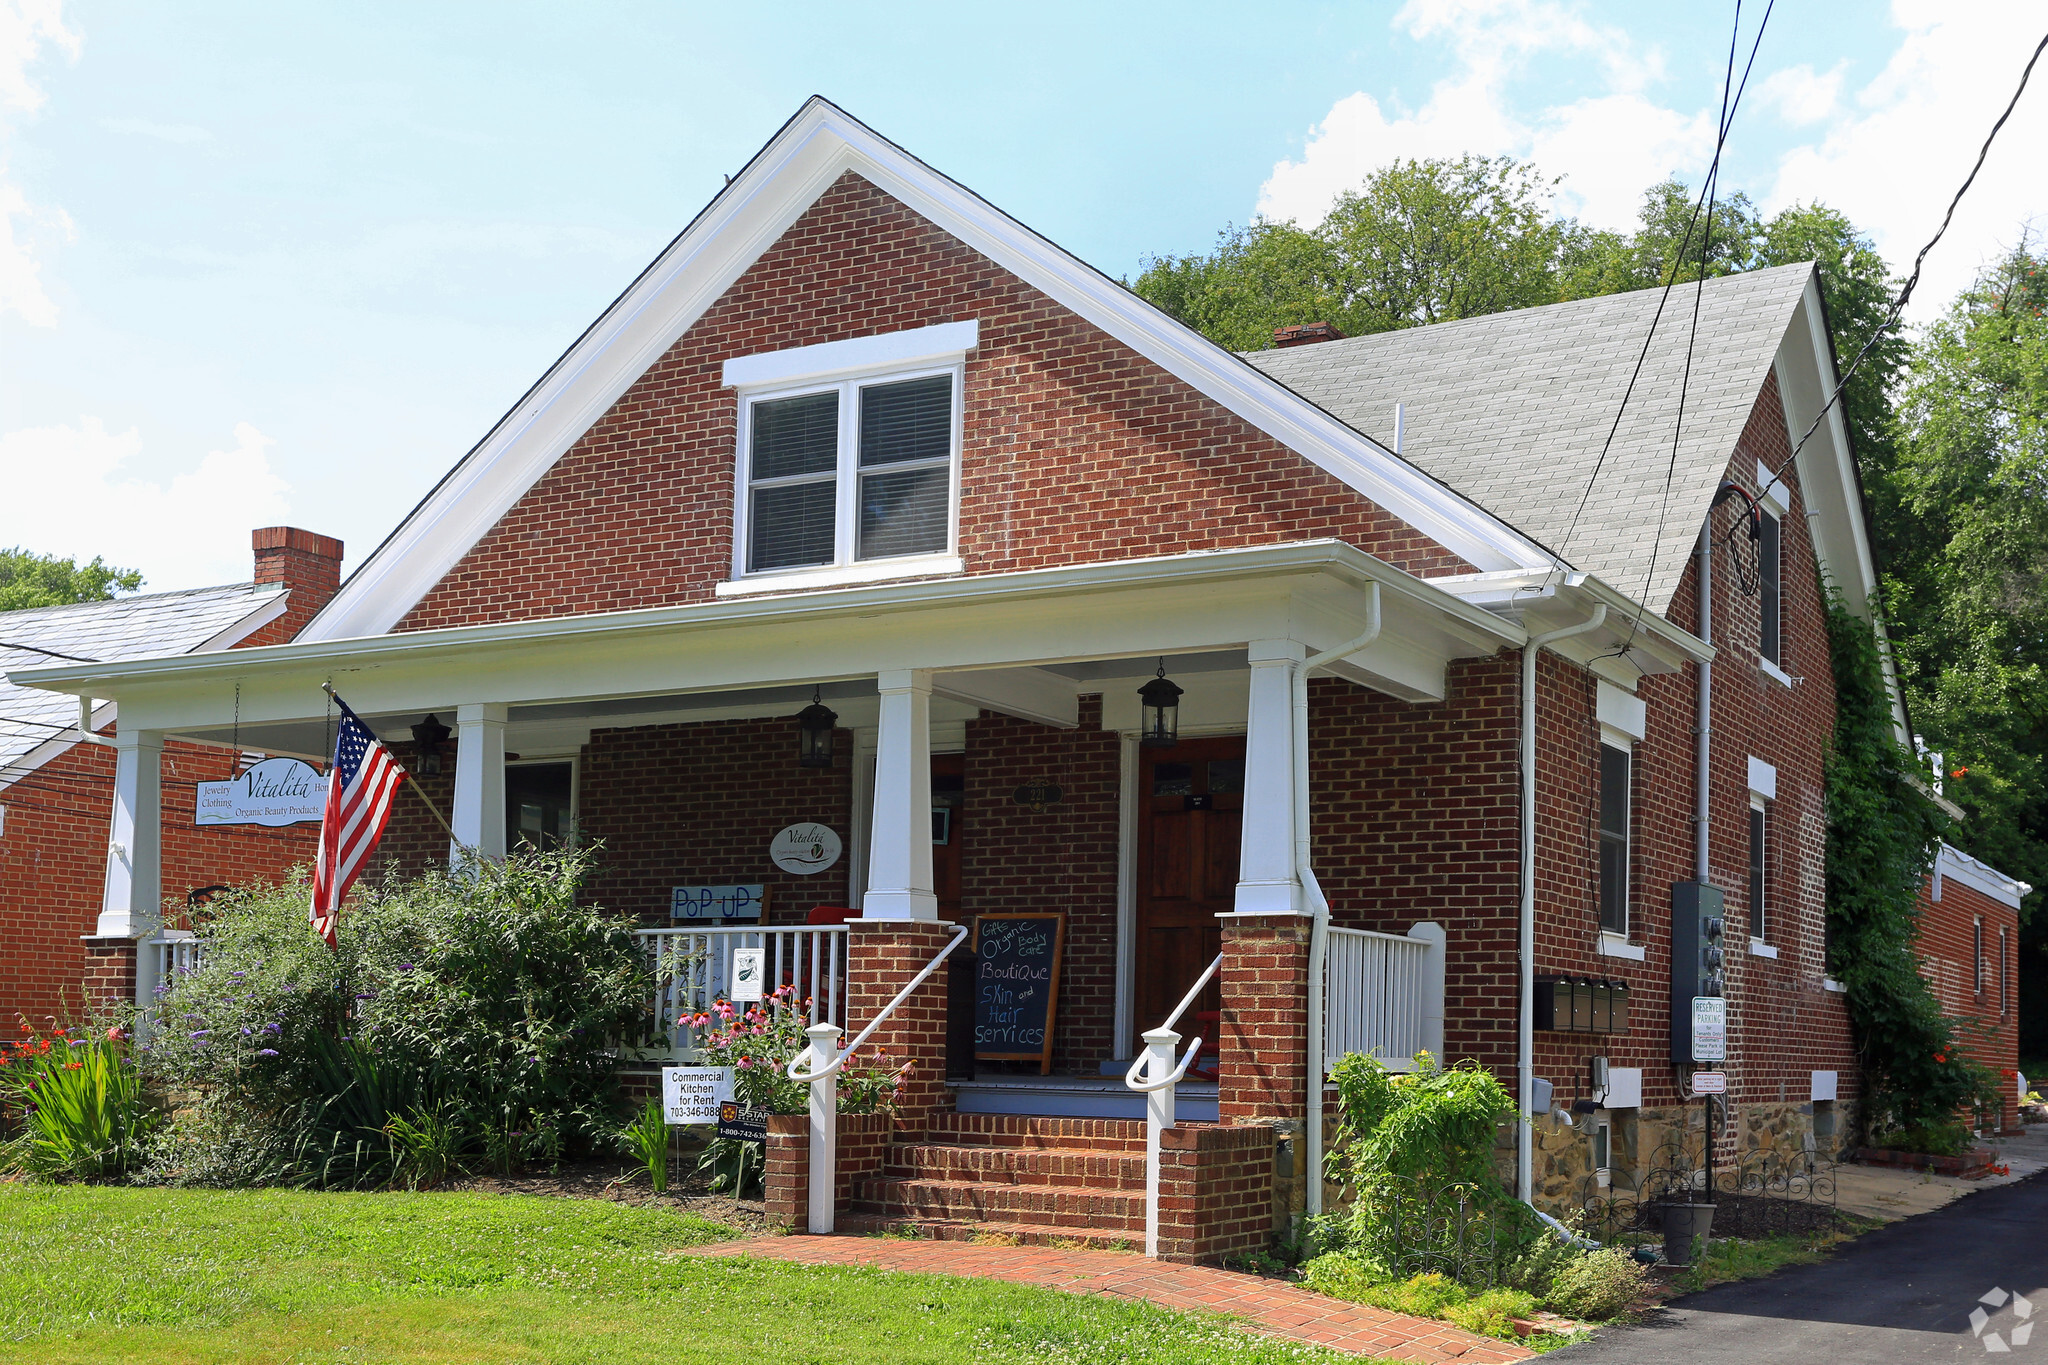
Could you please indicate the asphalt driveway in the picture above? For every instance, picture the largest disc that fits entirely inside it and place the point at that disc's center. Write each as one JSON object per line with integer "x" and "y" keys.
{"x": 1900, "y": 1295}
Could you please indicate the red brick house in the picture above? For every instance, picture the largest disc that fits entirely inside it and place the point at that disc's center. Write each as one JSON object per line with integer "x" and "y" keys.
{"x": 859, "y": 441}
{"x": 1968, "y": 939}
{"x": 69, "y": 930}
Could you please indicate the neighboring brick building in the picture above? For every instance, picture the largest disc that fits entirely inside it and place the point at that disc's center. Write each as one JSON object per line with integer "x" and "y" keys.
{"x": 857, "y": 441}
{"x": 56, "y": 793}
{"x": 1969, "y": 940}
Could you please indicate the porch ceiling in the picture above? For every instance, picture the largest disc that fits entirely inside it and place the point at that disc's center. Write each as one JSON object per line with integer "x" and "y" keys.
{"x": 1025, "y": 643}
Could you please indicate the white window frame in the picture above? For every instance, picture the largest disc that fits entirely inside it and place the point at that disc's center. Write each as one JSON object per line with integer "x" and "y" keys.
{"x": 1775, "y": 500}
{"x": 575, "y": 762}
{"x": 1615, "y": 943}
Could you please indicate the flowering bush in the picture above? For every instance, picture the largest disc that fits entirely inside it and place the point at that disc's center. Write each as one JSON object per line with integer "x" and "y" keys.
{"x": 81, "y": 1101}
{"x": 460, "y": 1014}
{"x": 760, "y": 1041}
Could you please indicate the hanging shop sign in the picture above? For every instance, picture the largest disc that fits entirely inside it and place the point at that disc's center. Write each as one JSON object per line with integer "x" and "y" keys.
{"x": 1037, "y": 794}
{"x": 805, "y": 849}
{"x": 692, "y": 1094}
{"x": 277, "y": 791}
{"x": 1709, "y": 1082}
{"x": 717, "y": 904}
{"x": 1709, "y": 1028}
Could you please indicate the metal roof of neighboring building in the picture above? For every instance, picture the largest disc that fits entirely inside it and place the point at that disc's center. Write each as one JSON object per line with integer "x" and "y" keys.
{"x": 1512, "y": 409}
{"x": 122, "y": 628}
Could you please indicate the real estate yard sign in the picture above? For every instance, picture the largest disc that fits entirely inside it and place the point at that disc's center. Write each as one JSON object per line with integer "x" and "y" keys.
{"x": 692, "y": 1094}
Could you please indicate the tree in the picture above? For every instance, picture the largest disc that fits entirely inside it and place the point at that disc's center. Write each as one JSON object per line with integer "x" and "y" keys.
{"x": 1968, "y": 500}
{"x": 32, "y": 580}
{"x": 1419, "y": 242}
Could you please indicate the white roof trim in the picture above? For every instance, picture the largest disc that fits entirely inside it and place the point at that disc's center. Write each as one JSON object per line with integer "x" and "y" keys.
{"x": 1952, "y": 864}
{"x": 912, "y": 346}
{"x": 797, "y": 166}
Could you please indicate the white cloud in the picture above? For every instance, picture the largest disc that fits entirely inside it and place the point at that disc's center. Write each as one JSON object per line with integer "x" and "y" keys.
{"x": 26, "y": 28}
{"x": 1895, "y": 158}
{"x": 1609, "y": 147}
{"x": 1800, "y": 96}
{"x": 163, "y": 132}
{"x": 68, "y": 495}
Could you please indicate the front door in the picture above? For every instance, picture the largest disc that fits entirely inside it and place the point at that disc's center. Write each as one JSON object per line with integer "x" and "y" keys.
{"x": 1190, "y": 812}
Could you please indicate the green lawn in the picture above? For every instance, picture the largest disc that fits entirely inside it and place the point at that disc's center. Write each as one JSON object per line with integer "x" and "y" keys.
{"x": 106, "y": 1274}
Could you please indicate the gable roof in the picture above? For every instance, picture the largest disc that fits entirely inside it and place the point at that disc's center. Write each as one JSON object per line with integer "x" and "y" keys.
{"x": 35, "y": 724}
{"x": 797, "y": 166}
{"x": 1512, "y": 411}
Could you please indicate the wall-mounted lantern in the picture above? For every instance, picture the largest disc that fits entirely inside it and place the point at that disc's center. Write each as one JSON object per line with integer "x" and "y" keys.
{"x": 427, "y": 738}
{"x": 814, "y": 732}
{"x": 1161, "y": 699}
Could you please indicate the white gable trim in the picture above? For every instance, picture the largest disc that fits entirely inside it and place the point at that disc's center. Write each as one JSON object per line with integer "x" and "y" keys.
{"x": 913, "y": 346}
{"x": 1952, "y": 864}
{"x": 797, "y": 166}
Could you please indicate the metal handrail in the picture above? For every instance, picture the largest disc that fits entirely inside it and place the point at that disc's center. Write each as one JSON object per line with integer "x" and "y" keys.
{"x": 1143, "y": 1059}
{"x": 832, "y": 1067}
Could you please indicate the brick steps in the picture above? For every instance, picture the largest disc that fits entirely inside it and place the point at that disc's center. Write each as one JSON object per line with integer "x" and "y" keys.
{"x": 990, "y": 1234}
{"x": 1018, "y": 1165}
{"x": 985, "y": 1202}
{"x": 1025, "y": 1130}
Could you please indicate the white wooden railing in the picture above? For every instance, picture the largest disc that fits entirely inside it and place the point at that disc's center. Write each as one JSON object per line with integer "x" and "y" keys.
{"x": 1154, "y": 1074}
{"x": 693, "y": 969}
{"x": 177, "y": 952}
{"x": 1384, "y": 995}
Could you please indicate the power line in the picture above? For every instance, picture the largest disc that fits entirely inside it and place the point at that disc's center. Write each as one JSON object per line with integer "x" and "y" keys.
{"x": 1906, "y": 291}
{"x": 38, "y": 649}
{"x": 1727, "y": 121}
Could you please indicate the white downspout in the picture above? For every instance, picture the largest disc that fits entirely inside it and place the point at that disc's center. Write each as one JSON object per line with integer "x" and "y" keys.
{"x": 1319, "y": 906}
{"x": 1525, "y": 1041}
{"x": 85, "y": 734}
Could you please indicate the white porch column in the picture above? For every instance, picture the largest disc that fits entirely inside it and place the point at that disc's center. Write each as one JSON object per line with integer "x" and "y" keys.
{"x": 1267, "y": 884}
{"x": 479, "y": 815}
{"x": 900, "y": 842}
{"x": 131, "y": 903}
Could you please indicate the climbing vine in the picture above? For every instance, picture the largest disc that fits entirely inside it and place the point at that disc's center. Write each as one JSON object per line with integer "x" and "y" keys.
{"x": 1882, "y": 833}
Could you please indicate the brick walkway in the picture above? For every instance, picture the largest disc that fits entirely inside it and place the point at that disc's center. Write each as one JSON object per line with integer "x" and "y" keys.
{"x": 1266, "y": 1306}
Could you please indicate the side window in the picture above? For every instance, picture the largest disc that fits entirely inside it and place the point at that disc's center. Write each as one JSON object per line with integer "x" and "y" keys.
{"x": 539, "y": 805}
{"x": 1759, "y": 873}
{"x": 1977, "y": 956}
{"x": 1616, "y": 775}
{"x": 1771, "y": 643}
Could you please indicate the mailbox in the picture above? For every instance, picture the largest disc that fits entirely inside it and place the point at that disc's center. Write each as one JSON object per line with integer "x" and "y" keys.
{"x": 1572, "y": 1004}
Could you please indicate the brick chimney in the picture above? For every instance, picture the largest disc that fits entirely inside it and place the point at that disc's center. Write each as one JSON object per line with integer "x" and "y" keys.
{"x": 1305, "y": 334}
{"x": 307, "y": 563}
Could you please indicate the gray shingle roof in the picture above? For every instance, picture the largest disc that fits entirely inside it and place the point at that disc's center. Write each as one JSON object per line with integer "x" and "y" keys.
{"x": 125, "y": 628}
{"x": 1511, "y": 410}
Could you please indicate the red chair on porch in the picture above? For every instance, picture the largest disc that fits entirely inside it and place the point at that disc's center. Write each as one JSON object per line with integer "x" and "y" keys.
{"x": 831, "y": 914}
{"x": 1209, "y": 1023}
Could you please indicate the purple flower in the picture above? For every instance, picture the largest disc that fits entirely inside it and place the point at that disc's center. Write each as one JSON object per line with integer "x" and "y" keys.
{"x": 248, "y": 1032}
{"x": 201, "y": 1034}
{"x": 273, "y": 1028}
{"x": 405, "y": 966}
{"x": 78, "y": 1042}
{"x": 266, "y": 1052}
{"x": 366, "y": 995}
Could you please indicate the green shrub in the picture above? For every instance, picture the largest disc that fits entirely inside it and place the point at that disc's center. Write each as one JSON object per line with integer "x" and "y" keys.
{"x": 1492, "y": 1313}
{"x": 80, "y": 1097}
{"x": 461, "y": 1014}
{"x": 1928, "y": 1139}
{"x": 1597, "y": 1285}
{"x": 1359, "y": 1279}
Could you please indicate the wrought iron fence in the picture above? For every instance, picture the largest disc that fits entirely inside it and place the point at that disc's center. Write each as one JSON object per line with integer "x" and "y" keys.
{"x": 1763, "y": 1192}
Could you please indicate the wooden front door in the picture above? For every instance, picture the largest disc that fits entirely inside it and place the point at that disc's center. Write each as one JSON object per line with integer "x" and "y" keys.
{"x": 1190, "y": 811}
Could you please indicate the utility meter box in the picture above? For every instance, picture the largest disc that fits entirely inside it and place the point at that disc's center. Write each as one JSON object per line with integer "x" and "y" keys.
{"x": 1698, "y": 925}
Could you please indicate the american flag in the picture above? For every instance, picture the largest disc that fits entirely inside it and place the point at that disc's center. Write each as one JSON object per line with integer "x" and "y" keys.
{"x": 360, "y": 785}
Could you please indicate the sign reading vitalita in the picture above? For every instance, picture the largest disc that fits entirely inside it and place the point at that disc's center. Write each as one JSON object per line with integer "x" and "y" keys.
{"x": 277, "y": 791}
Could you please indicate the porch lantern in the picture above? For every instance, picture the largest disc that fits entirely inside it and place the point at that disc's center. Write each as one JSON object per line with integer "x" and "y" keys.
{"x": 427, "y": 738}
{"x": 814, "y": 733}
{"x": 1161, "y": 700}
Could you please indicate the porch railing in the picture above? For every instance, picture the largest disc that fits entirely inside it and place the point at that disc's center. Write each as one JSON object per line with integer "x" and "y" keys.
{"x": 1385, "y": 995}
{"x": 177, "y": 953}
{"x": 693, "y": 969}
{"x": 1154, "y": 1074}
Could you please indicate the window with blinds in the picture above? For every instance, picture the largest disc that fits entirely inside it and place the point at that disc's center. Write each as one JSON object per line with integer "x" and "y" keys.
{"x": 1615, "y": 775}
{"x": 857, "y": 471}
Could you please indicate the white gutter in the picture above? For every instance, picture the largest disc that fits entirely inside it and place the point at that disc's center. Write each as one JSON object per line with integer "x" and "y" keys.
{"x": 1526, "y": 1027}
{"x": 1319, "y": 905}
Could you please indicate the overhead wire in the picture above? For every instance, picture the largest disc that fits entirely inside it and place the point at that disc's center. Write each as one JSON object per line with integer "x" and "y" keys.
{"x": 1906, "y": 290}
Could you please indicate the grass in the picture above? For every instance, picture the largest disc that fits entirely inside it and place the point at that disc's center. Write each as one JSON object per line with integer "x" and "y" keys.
{"x": 185, "y": 1277}
{"x": 1728, "y": 1261}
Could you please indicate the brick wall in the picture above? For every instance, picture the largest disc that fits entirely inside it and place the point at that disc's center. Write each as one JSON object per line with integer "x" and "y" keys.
{"x": 1215, "y": 1192}
{"x": 1063, "y": 859}
{"x": 863, "y": 1149}
{"x": 1075, "y": 449}
{"x": 882, "y": 956}
{"x": 1262, "y": 1056}
{"x": 1985, "y": 1007}
{"x": 53, "y": 865}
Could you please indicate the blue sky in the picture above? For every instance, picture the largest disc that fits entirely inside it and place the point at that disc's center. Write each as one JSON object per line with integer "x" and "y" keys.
{"x": 264, "y": 263}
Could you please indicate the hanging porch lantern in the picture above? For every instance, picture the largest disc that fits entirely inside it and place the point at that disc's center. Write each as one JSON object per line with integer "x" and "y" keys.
{"x": 1161, "y": 700}
{"x": 814, "y": 733}
{"x": 427, "y": 738}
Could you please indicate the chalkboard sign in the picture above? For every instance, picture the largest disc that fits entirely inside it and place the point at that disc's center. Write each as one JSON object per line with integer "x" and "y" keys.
{"x": 1017, "y": 986}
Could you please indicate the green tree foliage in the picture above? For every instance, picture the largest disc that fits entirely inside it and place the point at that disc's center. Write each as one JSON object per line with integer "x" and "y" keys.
{"x": 1965, "y": 505}
{"x": 32, "y": 580}
{"x": 1882, "y": 830}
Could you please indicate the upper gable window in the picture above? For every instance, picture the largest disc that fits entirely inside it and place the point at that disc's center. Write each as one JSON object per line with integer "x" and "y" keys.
{"x": 855, "y": 478}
